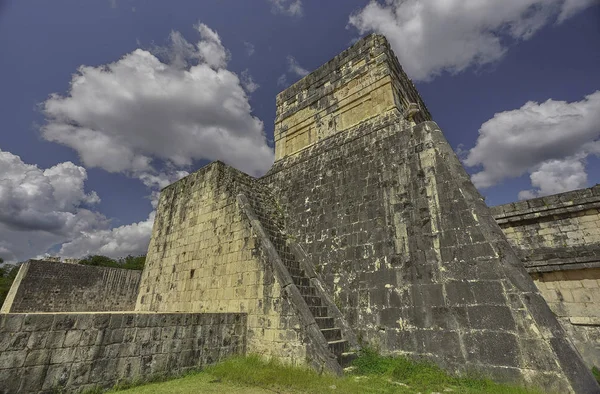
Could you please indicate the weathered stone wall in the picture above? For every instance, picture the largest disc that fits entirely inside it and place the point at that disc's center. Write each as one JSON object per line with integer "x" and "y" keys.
{"x": 558, "y": 239}
{"x": 362, "y": 82}
{"x": 46, "y": 352}
{"x": 44, "y": 286}
{"x": 558, "y": 232}
{"x": 412, "y": 254}
{"x": 574, "y": 296}
{"x": 205, "y": 257}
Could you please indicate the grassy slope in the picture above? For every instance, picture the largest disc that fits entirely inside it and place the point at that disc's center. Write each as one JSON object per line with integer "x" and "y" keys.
{"x": 372, "y": 374}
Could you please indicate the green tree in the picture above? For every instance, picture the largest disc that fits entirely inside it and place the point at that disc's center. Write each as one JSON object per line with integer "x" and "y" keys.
{"x": 129, "y": 262}
{"x": 133, "y": 262}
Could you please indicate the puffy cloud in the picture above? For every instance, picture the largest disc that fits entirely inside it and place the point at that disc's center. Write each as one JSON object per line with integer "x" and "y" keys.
{"x": 433, "y": 36}
{"x": 556, "y": 176}
{"x": 40, "y": 208}
{"x": 296, "y": 68}
{"x": 550, "y": 140}
{"x": 139, "y": 114}
{"x": 287, "y": 7}
{"x": 210, "y": 48}
{"x": 248, "y": 83}
{"x": 35, "y": 199}
{"x": 132, "y": 239}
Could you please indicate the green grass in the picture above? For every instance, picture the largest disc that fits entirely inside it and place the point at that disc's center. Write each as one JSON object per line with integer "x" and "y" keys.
{"x": 596, "y": 373}
{"x": 372, "y": 374}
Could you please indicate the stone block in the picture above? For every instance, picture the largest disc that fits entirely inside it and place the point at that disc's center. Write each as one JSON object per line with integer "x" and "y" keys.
{"x": 493, "y": 348}
{"x": 72, "y": 338}
{"x": 458, "y": 293}
{"x": 37, "y": 322}
{"x": 37, "y": 340}
{"x": 62, "y": 356}
{"x": 11, "y": 322}
{"x": 116, "y": 321}
{"x": 37, "y": 357}
{"x": 18, "y": 340}
{"x": 55, "y": 339}
{"x": 488, "y": 292}
{"x": 101, "y": 321}
{"x": 11, "y": 380}
{"x": 64, "y": 322}
{"x": 33, "y": 379}
{"x": 12, "y": 359}
{"x": 80, "y": 373}
{"x": 491, "y": 317}
{"x": 57, "y": 377}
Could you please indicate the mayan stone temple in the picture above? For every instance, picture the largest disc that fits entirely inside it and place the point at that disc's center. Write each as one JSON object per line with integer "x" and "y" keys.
{"x": 367, "y": 231}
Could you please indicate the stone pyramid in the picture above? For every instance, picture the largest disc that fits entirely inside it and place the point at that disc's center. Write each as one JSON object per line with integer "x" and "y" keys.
{"x": 366, "y": 231}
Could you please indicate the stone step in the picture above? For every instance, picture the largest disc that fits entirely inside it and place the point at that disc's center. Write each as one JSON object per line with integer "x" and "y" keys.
{"x": 318, "y": 311}
{"x": 338, "y": 347}
{"x": 345, "y": 359}
{"x": 332, "y": 334}
{"x": 295, "y": 271}
{"x": 307, "y": 290}
{"x": 301, "y": 280}
{"x": 312, "y": 300}
{"x": 325, "y": 322}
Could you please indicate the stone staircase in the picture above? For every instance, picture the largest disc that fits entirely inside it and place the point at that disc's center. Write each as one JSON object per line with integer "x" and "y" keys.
{"x": 271, "y": 218}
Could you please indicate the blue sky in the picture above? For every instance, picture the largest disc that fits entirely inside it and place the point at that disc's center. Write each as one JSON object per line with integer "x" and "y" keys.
{"x": 167, "y": 87}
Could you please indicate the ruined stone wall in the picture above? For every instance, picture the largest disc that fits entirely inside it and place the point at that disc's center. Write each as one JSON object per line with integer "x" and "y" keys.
{"x": 205, "y": 257}
{"x": 44, "y": 286}
{"x": 574, "y": 296}
{"x": 558, "y": 239}
{"x": 558, "y": 232}
{"x": 412, "y": 254}
{"x": 75, "y": 352}
{"x": 362, "y": 82}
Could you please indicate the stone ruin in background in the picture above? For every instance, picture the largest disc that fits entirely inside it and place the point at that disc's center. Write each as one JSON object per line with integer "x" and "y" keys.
{"x": 366, "y": 231}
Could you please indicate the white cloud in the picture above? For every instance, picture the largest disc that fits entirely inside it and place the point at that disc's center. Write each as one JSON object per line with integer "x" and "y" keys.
{"x": 139, "y": 113}
{"x": 248, "y": 83}
{"x": 550, "y": 140}
{"x": 249, "y": 48}
{"x": 132, "y": 239}
{"x": 287, "y": 7}
{"x": 210, "y": 48}
{"x": 556, "y": 176}
{"x": 142, "y": 116}
{"x": 572, "y": 7}
{"x": 296, "y": 68}
{"x": 433, "y": 36}
{"x": 40, "y": 208}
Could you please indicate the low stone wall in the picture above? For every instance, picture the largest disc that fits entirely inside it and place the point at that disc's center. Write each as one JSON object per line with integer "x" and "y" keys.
{"x": 44, "y": 352}
{"x": 47, "y": 286}
{"x": 553, "y": 233}
{"x": 558, "y": 240}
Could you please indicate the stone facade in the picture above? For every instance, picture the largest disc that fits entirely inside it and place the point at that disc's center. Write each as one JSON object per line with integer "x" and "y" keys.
{"x": 45, "y": 286}
{"x": 204, "y": 257}
{"x": 53, "y": 352}
{"x": 363, "y": 82}
{"x": 558, "y": 240}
